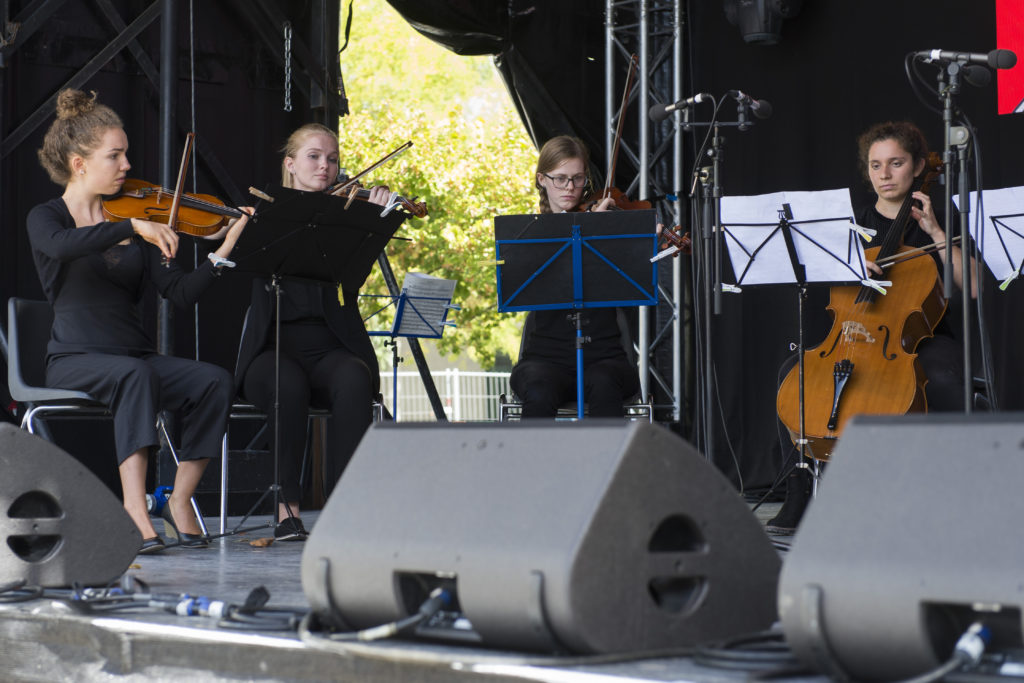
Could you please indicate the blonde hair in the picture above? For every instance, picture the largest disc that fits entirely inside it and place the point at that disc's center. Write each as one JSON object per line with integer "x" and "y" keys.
{"x": 554, "y": 152}
{"x": 294, "y": 143}
{"x": 80, "y": 123}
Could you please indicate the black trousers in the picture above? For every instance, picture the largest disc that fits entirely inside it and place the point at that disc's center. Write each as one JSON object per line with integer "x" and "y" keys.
{"x": 336, "y": 380}
{"x": 135, "y": 389}
{"x": 544, "y": 387}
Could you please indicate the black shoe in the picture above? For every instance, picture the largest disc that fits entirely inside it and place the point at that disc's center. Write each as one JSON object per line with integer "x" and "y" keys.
{"x": 184, "y": 540}
{"x": 290, "y": 529}
{"x": 152, "y": 546}
{"x": 798, "y": 494}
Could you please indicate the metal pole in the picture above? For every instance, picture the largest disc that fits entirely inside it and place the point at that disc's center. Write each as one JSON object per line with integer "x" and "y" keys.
{"x": 168, "y": 101}
{"x": 644, "y": 336}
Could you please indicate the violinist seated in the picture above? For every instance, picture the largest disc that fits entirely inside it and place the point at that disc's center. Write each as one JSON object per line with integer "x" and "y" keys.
{"x": 327, "y": 360}
{"x": 892, "y": 155}
{"x": 545, "y": 376}
{"x": 94, "y": 273}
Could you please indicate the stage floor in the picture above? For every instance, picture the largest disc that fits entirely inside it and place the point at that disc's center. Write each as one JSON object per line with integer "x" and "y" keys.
{"x": 45, "y": 640}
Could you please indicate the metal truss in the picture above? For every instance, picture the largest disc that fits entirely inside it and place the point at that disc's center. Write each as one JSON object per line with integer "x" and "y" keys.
{"x": 653, "y": 30}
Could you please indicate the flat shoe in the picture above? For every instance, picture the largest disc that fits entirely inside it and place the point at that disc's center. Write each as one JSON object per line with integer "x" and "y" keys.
{"x": 151, "y": 546}
{"x": 290, "y": 529}
{"x": 184, "y": 540}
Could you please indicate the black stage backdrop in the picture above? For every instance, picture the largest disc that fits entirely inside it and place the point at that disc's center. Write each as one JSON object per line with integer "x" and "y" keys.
{"x": 838, "y": 69}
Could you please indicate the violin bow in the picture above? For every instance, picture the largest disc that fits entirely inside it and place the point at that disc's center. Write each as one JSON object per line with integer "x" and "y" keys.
{"x": 341, "y": 187}
{"x": 179, "y": 186}
{"x": 634, "y": 63}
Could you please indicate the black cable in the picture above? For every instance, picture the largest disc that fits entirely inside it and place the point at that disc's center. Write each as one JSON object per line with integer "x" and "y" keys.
{"x": 17, "y": 591}
{"x": 764, "y": 652}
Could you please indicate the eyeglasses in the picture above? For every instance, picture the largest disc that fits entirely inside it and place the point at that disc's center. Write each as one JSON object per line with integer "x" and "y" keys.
{"x": 562, "y": 181}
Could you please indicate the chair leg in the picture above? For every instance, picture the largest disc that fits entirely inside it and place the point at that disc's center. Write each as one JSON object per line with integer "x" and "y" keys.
{"x": 174, "y": 454}
{"x": 224, "y": 484}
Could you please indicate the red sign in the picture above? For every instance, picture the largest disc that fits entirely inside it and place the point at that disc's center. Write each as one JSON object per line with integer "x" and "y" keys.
{"x": 1010, "y": 36}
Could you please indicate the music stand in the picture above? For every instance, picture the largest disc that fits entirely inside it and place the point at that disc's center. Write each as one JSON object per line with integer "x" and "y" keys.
{"x": 421, "y": 311}
{"x": 821, "y": 248}
{"x": 315, "y": 237}
{"x": 576, "y": 261}
{"x": 1001, "y": 238}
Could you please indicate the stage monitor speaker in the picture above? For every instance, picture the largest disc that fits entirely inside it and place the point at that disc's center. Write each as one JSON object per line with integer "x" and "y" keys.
{"x": 595, "y": 537}
{"x": 913, "y": 536}
{"x": 60, "y": 524}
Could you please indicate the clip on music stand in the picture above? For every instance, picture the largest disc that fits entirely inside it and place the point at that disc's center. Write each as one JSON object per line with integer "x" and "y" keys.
{"x": 575, "y": 261}
{"x": 1001, "y": 239}
{"x": 314, "y": 237}
{"x": 818, "y": 250}
{"x": 421, "y": 311}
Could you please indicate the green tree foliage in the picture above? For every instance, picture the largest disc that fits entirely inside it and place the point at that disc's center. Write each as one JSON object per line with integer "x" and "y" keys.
{"x": 470, "y": 160}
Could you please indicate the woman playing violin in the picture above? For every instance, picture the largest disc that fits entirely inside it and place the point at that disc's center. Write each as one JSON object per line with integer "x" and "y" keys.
{"x": 94, "y": 274}
{"x": 327, "y": 360}
{"x": 545, "y": 376}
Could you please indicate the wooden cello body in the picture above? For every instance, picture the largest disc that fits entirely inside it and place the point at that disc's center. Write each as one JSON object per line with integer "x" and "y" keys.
{"x": 868, "y": 362}
{"x": 877, "y": 341}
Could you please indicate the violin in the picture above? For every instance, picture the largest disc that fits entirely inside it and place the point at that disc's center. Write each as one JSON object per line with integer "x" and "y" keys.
{"x": 199, "y": 215}
{"x": 671, "y": 238}
{"x": 356, "y": 191}
{"x": 352, "y": 189}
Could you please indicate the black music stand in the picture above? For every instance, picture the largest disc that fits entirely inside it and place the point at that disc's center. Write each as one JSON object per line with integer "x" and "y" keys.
{"x": 999, "y": 231}
{"x": 315, "y": 237}
{"x": 822, "y": 249}
{"x": 575, "y": 261}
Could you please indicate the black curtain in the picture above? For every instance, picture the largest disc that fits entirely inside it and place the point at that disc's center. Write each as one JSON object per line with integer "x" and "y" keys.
{"x": 837, "y": 69}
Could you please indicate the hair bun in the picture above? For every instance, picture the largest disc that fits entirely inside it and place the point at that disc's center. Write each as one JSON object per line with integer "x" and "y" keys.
{"x": 71, "y": 103}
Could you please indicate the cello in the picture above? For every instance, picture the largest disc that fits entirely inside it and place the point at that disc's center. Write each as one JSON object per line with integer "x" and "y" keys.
{"x": 868, "y": 362}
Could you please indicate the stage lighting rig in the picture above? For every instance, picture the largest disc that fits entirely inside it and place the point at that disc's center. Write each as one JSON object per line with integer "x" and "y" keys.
{"x": 760, "y": 21}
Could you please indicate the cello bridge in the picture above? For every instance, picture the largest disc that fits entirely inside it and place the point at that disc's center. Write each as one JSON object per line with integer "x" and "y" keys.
{"x": 855, "y": 331}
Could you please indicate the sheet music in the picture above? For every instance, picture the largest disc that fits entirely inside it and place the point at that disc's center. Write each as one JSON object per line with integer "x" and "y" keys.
{"x": 426, "y": 305}
{"x": 822, "y": 231}
{"x": 1002, "y": 229}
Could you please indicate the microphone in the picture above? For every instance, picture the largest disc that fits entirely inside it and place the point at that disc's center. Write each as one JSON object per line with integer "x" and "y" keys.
{"x": 997, "y": 59}
{"x": 762, "y": 109}
{"x": 976, "y": 75}
{"x": 660, "y": 112}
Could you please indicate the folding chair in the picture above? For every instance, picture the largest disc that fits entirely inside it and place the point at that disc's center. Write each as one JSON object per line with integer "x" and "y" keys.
{"x": 28, "y": 329}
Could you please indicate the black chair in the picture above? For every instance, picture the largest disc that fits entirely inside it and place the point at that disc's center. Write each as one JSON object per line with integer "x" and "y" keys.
{"x": 28, "y": 328}
{"x": 637, "y": 408}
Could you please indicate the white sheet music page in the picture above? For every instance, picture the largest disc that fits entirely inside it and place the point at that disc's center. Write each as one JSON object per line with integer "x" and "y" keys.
{"x": 822, "y": 232}
{"x": 427, "y": 300}
{"x": 1002, "y": 229}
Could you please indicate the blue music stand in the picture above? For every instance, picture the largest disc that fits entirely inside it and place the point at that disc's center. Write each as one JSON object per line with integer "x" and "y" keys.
{"x": 576, "y": 261}
{"x": 421, "y": 311}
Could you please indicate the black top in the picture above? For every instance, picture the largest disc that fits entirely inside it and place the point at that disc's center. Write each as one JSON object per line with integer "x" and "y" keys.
{"x": 95, "y": 284}
{"x": 551, "y": 337}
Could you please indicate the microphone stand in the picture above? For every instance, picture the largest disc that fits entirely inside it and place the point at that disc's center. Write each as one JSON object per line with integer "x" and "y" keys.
{"x": 710, "y": 248}
{"x": 954, "y": 158}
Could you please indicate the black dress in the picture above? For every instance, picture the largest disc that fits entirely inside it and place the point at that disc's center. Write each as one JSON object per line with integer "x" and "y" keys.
{"x": 545, "y": 376}
{"x": 327, "y": 361}
{"x": 941, "y": 356}
{"x": 98, "y": 344}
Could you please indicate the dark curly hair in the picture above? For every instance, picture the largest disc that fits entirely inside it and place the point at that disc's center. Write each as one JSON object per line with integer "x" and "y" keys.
{"x": 908, "y": 135}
